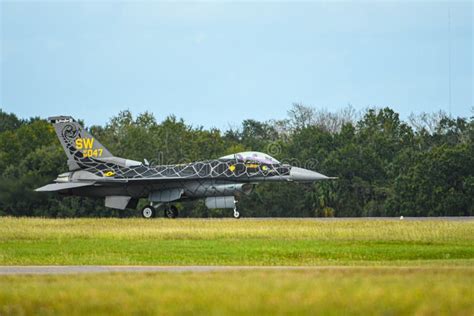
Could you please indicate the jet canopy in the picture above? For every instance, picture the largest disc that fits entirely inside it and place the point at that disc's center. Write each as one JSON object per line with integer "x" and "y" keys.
{"x": 252, "y": 156}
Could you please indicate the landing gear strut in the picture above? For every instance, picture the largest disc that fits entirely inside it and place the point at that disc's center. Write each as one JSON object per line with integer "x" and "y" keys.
{"x": 236, "y": 213}
{"x": 171, "y": 211}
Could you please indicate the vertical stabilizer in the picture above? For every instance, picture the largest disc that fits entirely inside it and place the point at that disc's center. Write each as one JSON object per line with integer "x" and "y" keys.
{"x": 80, "y": 146}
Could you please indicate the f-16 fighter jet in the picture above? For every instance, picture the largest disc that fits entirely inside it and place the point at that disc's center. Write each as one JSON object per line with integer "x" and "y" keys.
{"x": 95, "y": 172}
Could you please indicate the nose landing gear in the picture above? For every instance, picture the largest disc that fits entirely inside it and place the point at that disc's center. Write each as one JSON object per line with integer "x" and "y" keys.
{"x": 236, "y": 213}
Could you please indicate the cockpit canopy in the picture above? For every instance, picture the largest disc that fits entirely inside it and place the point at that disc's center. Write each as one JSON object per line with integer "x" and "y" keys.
{"x": 252, "y": 156}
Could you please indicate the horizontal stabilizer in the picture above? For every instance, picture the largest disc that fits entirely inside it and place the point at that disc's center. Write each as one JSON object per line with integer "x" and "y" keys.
{"x": 63, "y": 186}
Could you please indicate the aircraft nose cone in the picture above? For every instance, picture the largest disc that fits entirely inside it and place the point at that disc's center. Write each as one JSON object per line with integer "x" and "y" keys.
{"x": 305, "y": 175}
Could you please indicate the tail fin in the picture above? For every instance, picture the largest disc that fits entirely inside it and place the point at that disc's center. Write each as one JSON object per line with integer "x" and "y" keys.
{"x": 80, "y": 146}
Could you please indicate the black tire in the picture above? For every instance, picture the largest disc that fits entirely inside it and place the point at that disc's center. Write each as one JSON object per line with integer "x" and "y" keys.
{"x": 171, "y": 211}
{"x": 148, "y": 212}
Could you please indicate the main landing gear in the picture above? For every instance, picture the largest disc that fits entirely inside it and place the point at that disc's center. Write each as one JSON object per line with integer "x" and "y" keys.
{"x": 170, "y": 211}
{"x": 148, "y": 212}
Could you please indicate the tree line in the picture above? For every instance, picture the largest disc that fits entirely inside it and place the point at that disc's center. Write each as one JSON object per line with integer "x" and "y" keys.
{"x": 385, "y": 166}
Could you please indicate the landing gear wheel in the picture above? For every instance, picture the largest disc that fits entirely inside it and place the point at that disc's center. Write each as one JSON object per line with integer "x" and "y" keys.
{"x": 171, "y": 211}
{"x": 148, "y": 212}
{"x": 236, "y": 214}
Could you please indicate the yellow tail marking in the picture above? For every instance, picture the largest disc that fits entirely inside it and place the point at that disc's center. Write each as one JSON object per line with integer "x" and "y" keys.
{"x": 88, "y": 143}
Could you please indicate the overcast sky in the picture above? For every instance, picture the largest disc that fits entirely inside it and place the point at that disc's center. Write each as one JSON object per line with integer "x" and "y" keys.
{"x": 215, "y": 63}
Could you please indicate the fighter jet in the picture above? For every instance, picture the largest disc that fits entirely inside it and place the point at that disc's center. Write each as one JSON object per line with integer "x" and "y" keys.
{"x": 95, "y": 172}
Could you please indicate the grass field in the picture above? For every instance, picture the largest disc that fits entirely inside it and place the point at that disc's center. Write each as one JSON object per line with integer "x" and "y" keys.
{"x": 363, "y": 291}
{"x": 25, "y": 241}
{"x": 357, "y": 266}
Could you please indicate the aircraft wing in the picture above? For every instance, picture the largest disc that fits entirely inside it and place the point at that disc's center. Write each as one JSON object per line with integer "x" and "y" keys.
{"x": 63, "y": 186}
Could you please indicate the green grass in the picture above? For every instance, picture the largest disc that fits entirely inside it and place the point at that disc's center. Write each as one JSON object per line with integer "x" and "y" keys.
{"x": 360, "y": 266}
{"x": 330, "y": 291}
{"x": 30, "y": 241}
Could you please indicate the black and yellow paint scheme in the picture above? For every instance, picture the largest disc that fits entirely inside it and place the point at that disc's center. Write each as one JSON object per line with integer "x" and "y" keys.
{"x": 86, "y": 146}
{"x": 108, "y": 173}
{"x": 95, "y": 172}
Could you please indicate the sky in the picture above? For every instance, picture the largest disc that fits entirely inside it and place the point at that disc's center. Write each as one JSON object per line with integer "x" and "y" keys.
{"x": 215, "y": 64}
